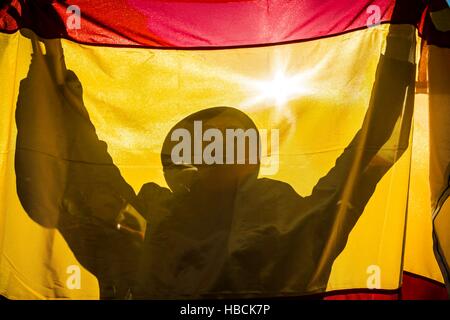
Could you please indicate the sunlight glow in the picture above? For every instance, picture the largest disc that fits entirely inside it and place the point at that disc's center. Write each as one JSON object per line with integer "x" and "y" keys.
{"x": 282, "y": 86}
{"x": 279, "y": 90}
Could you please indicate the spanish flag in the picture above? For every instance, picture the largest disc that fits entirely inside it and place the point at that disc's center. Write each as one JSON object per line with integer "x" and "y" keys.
{"x": 190, "y": 149}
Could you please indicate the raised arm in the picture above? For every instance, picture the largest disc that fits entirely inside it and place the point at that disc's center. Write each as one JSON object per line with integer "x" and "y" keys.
{"x": 65, "y": 177}
{"x": 341, "y": 196}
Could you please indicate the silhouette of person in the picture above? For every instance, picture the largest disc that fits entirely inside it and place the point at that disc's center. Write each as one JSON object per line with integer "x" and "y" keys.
{"x": 219, "y": 230}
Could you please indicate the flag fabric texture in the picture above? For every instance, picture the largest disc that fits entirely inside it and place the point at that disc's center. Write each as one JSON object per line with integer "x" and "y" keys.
{"x": 349, "y": 190}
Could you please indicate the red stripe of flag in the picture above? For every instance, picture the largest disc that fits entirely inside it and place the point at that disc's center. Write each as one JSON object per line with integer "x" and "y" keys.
{"x": 202, "y": 23}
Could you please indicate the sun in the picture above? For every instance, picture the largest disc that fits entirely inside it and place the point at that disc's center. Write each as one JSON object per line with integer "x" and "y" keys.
{"x": 278, "y": 90}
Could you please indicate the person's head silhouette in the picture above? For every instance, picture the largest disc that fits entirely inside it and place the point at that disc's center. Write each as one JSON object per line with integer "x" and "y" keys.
{"x": 234, "y": 130}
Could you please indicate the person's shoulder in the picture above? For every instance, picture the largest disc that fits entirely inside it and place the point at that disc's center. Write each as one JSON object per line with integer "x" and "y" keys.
{"x": 269, "y": 190}
{"x": 268, "y": 205}
{"x": 275, "y": 186}
{"x": 154, "y": 199}
{"x": 154, "y": 191}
